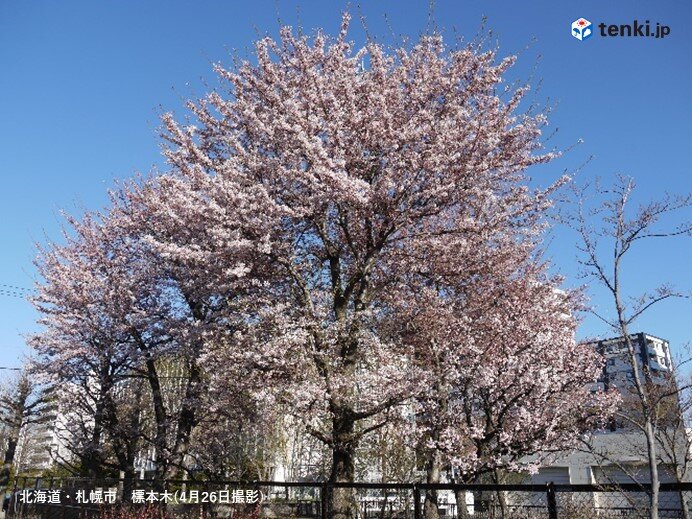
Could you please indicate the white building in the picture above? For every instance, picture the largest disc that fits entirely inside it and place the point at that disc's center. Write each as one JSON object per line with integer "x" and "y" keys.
{"x": 652, "y": 353}
{"x": 41, "y": 442}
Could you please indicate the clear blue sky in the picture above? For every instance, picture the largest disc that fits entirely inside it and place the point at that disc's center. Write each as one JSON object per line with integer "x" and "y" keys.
{"x": 82, "y": 84}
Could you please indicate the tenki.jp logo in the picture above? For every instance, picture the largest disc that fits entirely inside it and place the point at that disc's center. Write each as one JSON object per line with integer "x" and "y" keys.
{"x": 583, "y": 29}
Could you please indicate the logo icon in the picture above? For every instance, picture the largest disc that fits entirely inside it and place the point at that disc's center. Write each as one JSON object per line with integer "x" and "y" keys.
{"x": 582, "y": 29}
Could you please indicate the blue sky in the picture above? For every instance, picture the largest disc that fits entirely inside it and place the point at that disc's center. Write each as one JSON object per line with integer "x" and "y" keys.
{"x": 82, "y": 84}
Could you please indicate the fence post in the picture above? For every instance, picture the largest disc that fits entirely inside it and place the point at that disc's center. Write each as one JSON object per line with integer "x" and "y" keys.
{"x": 324, "y": 498}
{"x": 416, "y": 502}
{"x": 121, "y": 485}
{"x": 552, "y": 502}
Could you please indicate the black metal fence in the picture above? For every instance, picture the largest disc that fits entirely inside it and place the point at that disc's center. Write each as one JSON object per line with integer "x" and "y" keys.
{"x": 76, "y": 498}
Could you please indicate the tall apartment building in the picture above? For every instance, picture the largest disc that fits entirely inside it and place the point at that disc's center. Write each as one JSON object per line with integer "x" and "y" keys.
{"x": 651, "y": 352}
{"x": 41, "y": 443}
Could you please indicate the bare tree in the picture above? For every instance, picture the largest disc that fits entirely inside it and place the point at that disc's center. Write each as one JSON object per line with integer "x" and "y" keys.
{"x": 623, "y": 229}
{"x": 22, "y": 403}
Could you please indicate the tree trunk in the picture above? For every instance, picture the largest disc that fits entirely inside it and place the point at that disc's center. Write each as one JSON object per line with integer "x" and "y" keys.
{"x": 460, "y": 499}
{"x": 92, "y": 454}
{"x": 126, "y": 458}
{"x": 501, "y": 498}
{"x": 383, "y": 507}
{"x": 93, "y": 457}
{"x": 188, "y": 416}
{"x": 462, "y": 510}
{"x": 343, "y": 503}
{"x": 187, "y": 420}
{"x": 161, "y": 417}
{"x": 434, "y": 471}
{"x": 685, "y": 507}
{"x": 653, "y": 468}
{"x": 9, "y": 459}
{"x": 642, "y": 392}
{"x": 129, "y": 476}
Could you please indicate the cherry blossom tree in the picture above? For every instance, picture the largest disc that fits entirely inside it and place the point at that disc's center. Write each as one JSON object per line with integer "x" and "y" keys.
{"x": 90, "y": 307}
{"x": 114, "y": 313}
{"x": 116, "y": 309}
{"x": 507, "y": 384}
{"x": 79, "y": 348}
{"x": 339, "y": 177}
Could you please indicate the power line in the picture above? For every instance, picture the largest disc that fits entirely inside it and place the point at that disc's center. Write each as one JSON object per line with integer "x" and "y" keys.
{"x": 10, "y": 369}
